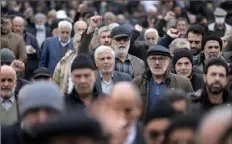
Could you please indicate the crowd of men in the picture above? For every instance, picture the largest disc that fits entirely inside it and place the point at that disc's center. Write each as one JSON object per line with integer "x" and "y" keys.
{"x": 101, "y": 76}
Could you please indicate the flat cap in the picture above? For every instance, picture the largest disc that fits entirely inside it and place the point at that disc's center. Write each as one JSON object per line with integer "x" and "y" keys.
{"x": 158, "y": 50}
{"x": 220, "y": 12}
{"x": 120, "y": 31}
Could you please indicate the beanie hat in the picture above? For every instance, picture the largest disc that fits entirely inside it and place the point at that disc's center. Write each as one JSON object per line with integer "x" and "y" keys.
{"x": 7, "y": 56}
{"x": 158, "y": 50}
{"x": 180, "y": 53}
{"x": 40, "y": 94}
{"x": 211, "y": 37}
{"x": 82, "y": 61}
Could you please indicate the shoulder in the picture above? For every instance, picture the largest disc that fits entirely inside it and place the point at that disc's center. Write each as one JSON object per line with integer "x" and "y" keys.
{"x": 179, "y": 78}
{"x": 132, "y": 57}
{"x": 49, "y": 39}
{"x": 138, "y": 79}
{"x": 123, "y": 75}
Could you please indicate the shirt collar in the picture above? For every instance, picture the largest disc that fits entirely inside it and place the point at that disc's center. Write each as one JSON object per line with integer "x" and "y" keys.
{"x": 12, "y": 99}
{"x": 64, "y": 44}
{"x": 112, "y": 75}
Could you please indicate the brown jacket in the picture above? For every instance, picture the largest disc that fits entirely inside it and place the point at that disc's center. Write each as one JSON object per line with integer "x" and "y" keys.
{"x": 4, "y": 43}
{"x": 17, "y": 45}
{"x": 172, "y": 81}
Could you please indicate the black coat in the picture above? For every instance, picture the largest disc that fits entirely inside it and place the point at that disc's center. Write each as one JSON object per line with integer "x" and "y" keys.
{"x": 197, "y": 81}
{"x": 73, "y": 100}
{"x": 20, "y": 83}
{"x": 32, "y": 59}
{"x": 200, "y": 103}
{"x": 13, "y": 134}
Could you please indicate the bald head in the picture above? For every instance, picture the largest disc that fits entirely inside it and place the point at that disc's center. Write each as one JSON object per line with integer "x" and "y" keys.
{"x": 125, "y": 91}
{"x": 18, "y": 24}
{"x": 8, "y": 81}
{"x": 214, "y": 125}
{"x": 80, "y": 27}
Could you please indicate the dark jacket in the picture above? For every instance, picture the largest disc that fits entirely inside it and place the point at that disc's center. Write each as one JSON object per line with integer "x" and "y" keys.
{"x": 139, "y": 139}
{"x": 52, "y": 52}
{"x": 117, "y": 77}
{"x": 13, "y": 134}
{"x": 73, "y": 100}
{"x": 32, "y": 59}
{"x": 32, "y": 30}
{"x": 199, "y": 101}
{"x": 197, "y": 81}
{"x": 20, "y": 83}
{"x": 172, "y": 81}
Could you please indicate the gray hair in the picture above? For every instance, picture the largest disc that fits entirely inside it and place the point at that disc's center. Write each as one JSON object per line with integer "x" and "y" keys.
{"x": 103, "y": 29}
{"x": 151, "y": 30}
{"x": 40, "y": 15}
{"x": 79, "y": 22}
{"x": 65, "y": 24}
{"x": 101, "y": 49}
{"x": 179, "y": 43}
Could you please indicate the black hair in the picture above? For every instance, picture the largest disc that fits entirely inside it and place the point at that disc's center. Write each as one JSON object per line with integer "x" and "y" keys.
{"x": 196, "y": 29}
{"x": 161, "y": 110}
{"x": 181, "y": 121}
{"x": 172, "y": 96}
{"x": 211, "y": 36}
{"x": 182, "y": 19}
{"x": 199, "y": 18}
{"x": 216, "y": 62}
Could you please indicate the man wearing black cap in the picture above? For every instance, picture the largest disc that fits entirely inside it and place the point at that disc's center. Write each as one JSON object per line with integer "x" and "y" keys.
{"x": 211, "y": 47}
{"x": 183, "y": 65}
{"x": 157, "y": 79}
{"x": 42, "y": 73}
{"x": 125, "y": 62}
{"x": 83, "y": 78}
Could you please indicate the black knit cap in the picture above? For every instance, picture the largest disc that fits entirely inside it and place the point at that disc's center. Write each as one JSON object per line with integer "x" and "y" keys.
{"x": 158, "y": 50}
{"x": 180, "y": 53}
{"x": 211, "y": 37}
{"x": 82, "y": 61}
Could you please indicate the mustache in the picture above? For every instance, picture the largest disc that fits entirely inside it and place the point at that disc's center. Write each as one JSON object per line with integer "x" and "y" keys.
{"x": 6, "y": 88}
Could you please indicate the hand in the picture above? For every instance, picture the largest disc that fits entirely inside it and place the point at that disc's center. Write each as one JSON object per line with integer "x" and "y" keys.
{"x": 173, "y": 33}
{"x": 169, "y": 15}
{"x": 18, "y": 65}
{"x": 30, "y": 49}
{"x": 138, "y": 28}
{"x": 95, "y": 21}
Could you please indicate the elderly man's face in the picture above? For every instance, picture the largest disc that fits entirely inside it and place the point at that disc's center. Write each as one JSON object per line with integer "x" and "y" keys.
{"x": 104, "y": 38}
{"x": 80, "y": 28}
{"x": 158, "y": 64}
{"x": 121, "y": 45}
{"x": 83, "y": 80}
{"x": 18, "y": 26}
{"x": 212, "y": 49}
{"x": 105, "y": 62}
{"x": 151, "y": 39}
{"x": 65, "y": 34}
{"x": 8, "y": 82}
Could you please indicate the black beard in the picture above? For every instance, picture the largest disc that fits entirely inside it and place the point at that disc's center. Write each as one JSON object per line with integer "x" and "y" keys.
{"x": 215, "y": 90}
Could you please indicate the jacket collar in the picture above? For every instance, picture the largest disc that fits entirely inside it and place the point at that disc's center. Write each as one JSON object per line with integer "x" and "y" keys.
{"x": 167, "y": 76}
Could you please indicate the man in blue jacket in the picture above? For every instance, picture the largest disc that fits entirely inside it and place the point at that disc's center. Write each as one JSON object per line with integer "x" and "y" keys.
{"x": 54, "y": 48}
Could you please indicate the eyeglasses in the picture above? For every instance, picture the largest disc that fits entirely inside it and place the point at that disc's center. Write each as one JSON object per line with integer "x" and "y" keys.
{"x": 157, "y": 58}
